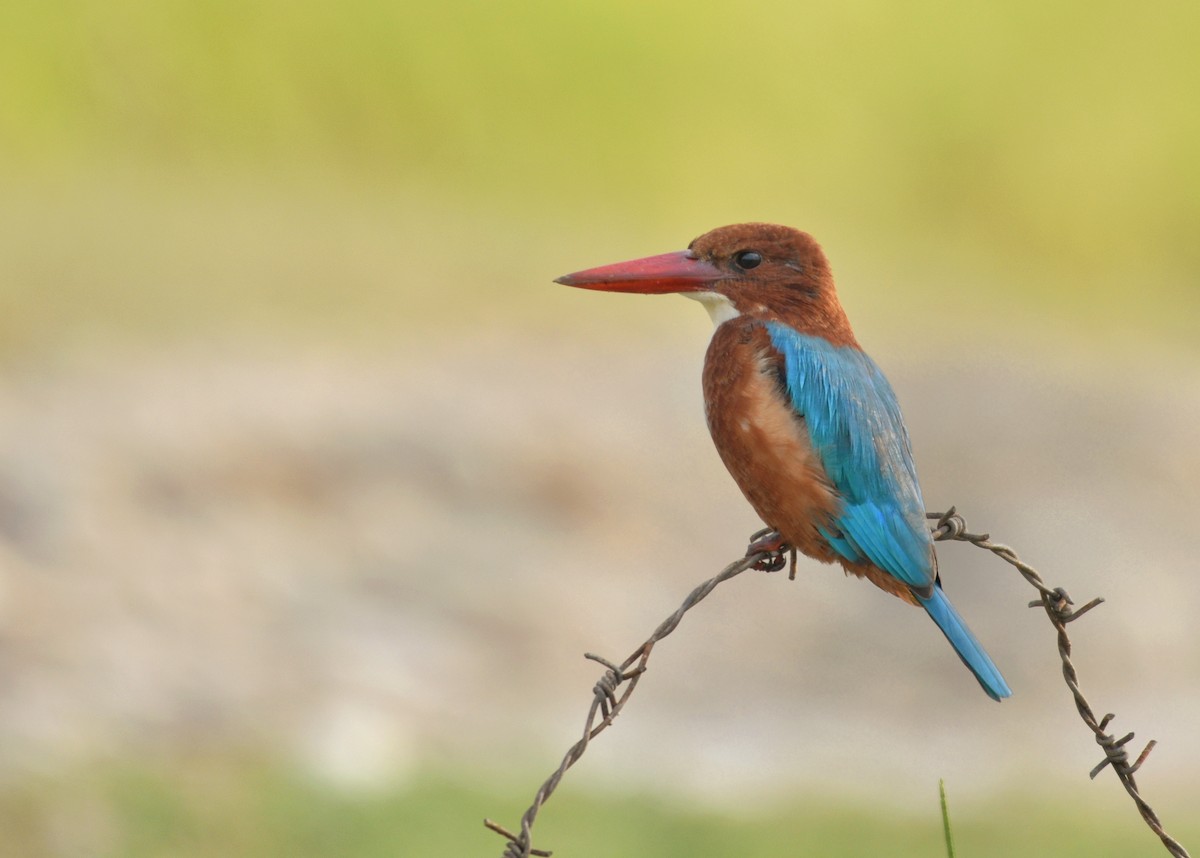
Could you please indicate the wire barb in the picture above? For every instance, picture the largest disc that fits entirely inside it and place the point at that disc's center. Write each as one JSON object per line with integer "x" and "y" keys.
{"x": 950, "y": 526}
{"x": 514, "y": 840}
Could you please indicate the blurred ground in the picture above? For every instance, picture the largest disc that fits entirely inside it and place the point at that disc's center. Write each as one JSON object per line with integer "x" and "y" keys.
{"x": 376, "y": 564}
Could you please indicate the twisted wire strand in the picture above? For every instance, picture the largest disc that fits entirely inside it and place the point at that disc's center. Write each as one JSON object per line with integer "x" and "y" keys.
{"x": 607, "y": 705}
{"x": 950, "y": 526}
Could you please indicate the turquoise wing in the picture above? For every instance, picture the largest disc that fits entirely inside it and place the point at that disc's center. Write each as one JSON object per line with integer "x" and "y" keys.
{"x": 855, "y": 425}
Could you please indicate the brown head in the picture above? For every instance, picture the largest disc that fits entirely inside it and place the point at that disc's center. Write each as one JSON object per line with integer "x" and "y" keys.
{"x": 760, "y": 270}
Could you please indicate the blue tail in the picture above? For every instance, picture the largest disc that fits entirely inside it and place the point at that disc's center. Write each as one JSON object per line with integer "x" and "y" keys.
{"x": 964, "y": 643}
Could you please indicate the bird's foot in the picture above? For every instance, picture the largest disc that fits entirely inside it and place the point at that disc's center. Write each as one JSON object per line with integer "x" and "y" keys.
{"x": 772, "y": 544}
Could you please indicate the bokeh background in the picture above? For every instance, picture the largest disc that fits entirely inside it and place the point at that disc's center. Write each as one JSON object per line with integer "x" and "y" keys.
{"x": 314, "y": 488}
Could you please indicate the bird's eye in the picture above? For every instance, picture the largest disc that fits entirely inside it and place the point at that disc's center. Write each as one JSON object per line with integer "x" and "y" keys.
{"x": 747, "y": 259}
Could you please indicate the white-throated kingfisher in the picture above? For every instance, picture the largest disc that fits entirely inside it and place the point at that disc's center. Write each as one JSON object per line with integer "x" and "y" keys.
{"x": 803, "y": 419}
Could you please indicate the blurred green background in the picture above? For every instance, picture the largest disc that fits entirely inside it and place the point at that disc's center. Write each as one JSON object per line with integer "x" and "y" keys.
{"x": 313, "y": 486}
{"x": 1037, "y": 153}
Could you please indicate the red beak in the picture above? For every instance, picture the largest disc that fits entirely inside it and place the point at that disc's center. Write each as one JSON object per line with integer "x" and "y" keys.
{"x": 670, "y": 272}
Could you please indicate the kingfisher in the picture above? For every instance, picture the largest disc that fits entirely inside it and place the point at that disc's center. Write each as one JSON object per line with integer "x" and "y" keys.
{"x": 806, "y": 423}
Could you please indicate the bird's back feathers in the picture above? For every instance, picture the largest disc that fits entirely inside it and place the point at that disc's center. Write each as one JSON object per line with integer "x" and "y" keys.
{"x": 855, "y": 426}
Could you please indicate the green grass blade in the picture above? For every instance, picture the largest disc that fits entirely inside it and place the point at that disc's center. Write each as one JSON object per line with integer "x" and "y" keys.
{"x": 946, "y": 819}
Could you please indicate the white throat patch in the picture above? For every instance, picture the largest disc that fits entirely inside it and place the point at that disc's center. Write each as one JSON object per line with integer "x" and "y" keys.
{"x": 719, "y": 307}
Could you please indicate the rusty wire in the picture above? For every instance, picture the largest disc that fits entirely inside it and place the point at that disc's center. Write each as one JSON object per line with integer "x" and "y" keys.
{"x": 949, "y": 527}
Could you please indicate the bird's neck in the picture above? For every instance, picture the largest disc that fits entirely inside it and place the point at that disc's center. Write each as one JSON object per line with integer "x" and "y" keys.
{"x": 826, "y": 319}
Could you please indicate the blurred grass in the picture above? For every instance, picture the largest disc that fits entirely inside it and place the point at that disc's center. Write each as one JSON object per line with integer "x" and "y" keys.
{"x": 1042, "y": 155}
{"x": 196, "y": 808}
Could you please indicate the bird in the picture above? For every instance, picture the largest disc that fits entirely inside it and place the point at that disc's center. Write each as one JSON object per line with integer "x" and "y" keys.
{"x": 804, "y": 420}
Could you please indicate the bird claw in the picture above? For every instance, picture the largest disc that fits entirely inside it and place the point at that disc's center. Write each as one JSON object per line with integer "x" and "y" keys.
{"x": 774, "y": 546}
{"x": 773, "y": 563}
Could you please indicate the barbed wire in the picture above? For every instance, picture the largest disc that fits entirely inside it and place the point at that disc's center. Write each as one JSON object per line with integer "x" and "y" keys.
{"x": 1057, "y": 604}
{"x": 606, "y": 704}
{"x": 950, "y": 526}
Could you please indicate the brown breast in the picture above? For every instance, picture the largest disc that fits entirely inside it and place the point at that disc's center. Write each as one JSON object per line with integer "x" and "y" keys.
{"x": 762, "y": 440}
